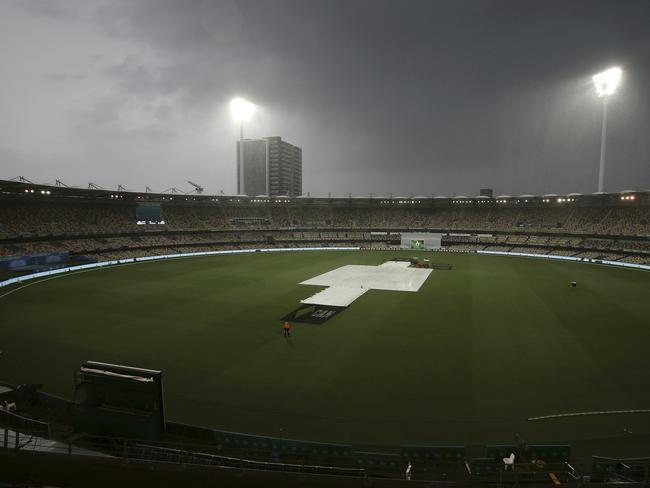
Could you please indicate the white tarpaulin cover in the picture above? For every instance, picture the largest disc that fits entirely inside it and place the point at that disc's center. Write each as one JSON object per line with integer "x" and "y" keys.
{"x": 349, "y": 282}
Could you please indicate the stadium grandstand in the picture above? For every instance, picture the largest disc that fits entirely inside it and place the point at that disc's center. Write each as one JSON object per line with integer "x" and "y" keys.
{"x": 90, "y": 225}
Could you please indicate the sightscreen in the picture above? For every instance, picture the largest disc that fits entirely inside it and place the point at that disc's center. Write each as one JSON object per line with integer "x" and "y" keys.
{"x": 421, "y": 241}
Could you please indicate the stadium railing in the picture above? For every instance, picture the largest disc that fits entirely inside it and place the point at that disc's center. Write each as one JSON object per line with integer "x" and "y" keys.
{"x": 34, "y": 436}
{"x": 134, "y": 450}
{"x": 598, "y": 471}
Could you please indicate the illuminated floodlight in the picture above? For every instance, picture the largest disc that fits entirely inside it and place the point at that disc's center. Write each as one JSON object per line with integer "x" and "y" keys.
{"x": 242, "y": 110}
{"x": 608, "y": 81}
{"x": 606, "y": 84}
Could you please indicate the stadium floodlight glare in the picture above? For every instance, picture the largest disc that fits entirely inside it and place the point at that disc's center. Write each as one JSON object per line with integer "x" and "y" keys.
{"x": 242, "y": 110}
{"x": 607, "y": 82}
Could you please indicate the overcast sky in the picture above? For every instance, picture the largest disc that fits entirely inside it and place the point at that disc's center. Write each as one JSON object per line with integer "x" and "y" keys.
{"x": 402, "y": 96}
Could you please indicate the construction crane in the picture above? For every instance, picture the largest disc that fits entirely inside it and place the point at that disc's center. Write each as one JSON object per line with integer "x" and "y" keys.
{"x": 22, "y": 179}
{"x": 197, "y": 188}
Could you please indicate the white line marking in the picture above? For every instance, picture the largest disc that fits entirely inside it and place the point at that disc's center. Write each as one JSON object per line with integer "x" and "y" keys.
{"x": 583, "y": 414}
{"x": 63, "y": 275}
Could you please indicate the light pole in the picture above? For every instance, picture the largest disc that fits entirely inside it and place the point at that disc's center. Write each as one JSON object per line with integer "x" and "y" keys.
{"x": 242, "y": 111}
{"x": 606, "y": 84}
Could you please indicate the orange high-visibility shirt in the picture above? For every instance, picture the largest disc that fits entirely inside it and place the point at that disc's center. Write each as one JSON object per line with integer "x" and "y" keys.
{"x": 287, "y": 326}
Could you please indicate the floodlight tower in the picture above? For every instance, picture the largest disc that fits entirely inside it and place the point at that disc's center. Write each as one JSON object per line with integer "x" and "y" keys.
{"x": 242, "y": 111}
{"x": 606, "y": 84}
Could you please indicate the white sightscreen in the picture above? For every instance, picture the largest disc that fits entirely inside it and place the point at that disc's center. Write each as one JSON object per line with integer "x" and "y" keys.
{"x": 421, "y": 241}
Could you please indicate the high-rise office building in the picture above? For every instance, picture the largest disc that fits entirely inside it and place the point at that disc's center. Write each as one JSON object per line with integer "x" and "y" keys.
{"x": 252, "y": 173}
{"x": 269, "y": 166}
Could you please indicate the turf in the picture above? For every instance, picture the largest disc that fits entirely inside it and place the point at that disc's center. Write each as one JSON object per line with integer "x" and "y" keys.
{"x": 466, "y": 360}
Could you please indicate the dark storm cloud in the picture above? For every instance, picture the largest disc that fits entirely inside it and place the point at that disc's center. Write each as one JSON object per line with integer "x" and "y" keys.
{"x": 413, "y": 97}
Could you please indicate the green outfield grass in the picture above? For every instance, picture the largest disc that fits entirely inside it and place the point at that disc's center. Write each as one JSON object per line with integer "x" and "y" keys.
{"x": 466, "y": 360}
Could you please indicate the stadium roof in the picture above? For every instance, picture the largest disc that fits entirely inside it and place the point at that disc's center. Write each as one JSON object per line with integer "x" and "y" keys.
{"x": 11, "y": 189}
